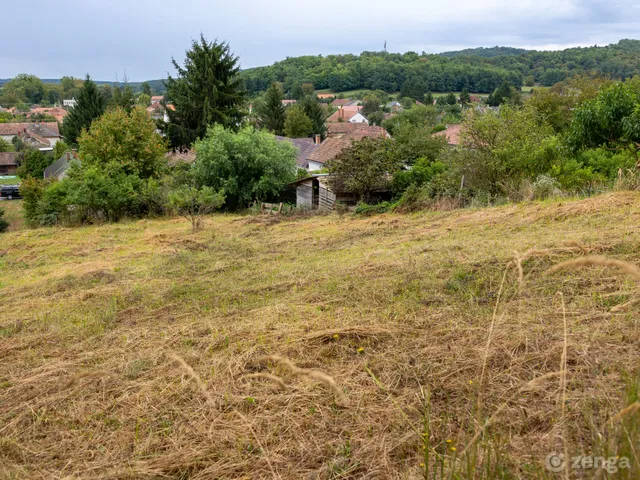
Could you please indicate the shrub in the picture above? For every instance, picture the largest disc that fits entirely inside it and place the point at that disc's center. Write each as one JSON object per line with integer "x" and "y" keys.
{"x": 4, "y": 224}
{"x": 367, "y": 209}
{"x": 545, "y": 187}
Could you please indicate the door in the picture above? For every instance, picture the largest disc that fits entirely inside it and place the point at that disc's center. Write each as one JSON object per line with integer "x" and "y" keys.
{"x": 315, "y": 200}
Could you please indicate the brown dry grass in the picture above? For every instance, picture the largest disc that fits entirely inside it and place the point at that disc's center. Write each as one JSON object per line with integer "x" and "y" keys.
{"x": 136, "y": 350}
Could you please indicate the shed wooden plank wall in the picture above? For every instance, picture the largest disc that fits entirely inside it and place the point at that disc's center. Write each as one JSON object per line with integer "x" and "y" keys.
{"x": 304, "y": 195}
{"x": 327, "y": 199}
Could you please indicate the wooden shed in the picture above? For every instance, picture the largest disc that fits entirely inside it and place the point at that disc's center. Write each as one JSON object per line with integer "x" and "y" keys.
{"x": 313, "y": 193}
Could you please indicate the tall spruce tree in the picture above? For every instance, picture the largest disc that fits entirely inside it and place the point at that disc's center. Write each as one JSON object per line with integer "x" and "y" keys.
{"x": 314, "y": 111}
{"x": 90, "y": 105}
{"x": 123, "y": 97}
{"x": 271, "y": 111}
{"x": 206, "y": 91}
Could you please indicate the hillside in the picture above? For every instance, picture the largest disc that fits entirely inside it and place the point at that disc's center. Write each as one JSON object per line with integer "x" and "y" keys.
{"x": 136, "y": 350}
{"x": 478, "y": 70}
{"x": 486, "y": 52}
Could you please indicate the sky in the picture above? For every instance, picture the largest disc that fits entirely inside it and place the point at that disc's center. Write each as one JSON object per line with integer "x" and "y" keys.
{"x": 139, "y": 37}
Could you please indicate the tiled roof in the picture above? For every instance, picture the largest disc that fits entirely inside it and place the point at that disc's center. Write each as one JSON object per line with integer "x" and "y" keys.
{"x": 289, "y": 102}
{"x": 44, "y": 129}
{"x": 156, "y": 98}
{"x": 174, "y": 158}
{"x": 8, "y": 159}
{"x": 305, "y": 146}
{"x": 57, "y": 113}
{"x": 346, "y": 113}
{"x": 341, "y": 102}
{"x": 333, "y": 146}
{"x": 326, "y": 95}
{"x": 452, "y": 134}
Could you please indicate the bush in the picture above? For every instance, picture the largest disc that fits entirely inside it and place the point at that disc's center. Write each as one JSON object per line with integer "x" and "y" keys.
{"x": 545, "y": 187}
{"x": 4, "y": 224}
{"x": 376, "y": 209}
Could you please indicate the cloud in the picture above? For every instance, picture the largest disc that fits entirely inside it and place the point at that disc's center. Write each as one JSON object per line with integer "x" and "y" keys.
{"x": 73, "y": 37}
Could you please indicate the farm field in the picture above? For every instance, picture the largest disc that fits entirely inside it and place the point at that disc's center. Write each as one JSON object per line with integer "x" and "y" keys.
{"x": 426, "y": 345}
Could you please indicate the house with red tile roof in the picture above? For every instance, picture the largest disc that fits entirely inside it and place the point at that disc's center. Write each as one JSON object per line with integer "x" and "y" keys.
{"x": 352, "y": 114}
{"x": 452, "y": 134}
{"x": 55, "y": 112}
{"x": 47, "y": 133}
{"x": 334, "y": 145}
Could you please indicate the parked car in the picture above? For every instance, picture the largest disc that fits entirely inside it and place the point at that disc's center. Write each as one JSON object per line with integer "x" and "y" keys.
{"x": 10, "y": 192}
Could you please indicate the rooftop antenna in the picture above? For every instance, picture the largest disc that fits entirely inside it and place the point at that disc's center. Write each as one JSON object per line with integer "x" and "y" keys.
{"x": 385, "y": 45}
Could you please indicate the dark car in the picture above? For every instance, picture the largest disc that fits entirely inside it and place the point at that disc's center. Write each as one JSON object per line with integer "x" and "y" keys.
{"x": 10, "y": 192}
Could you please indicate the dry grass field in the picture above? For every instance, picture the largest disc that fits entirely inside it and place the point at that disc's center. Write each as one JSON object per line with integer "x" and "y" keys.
{"x": 430, "y": 345}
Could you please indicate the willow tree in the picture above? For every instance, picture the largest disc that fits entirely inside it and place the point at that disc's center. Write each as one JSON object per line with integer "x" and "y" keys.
{"x": 206, "y": 91}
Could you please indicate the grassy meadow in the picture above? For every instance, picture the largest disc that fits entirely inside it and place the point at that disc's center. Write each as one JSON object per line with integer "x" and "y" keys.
{"x": 429, "y": 345}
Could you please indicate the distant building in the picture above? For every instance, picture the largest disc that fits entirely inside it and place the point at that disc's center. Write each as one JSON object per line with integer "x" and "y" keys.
{"x": 451, "y": 134}
{"x": 336, "y": 143}
{"x": 288, "y": 103}
{"x": 55, "y": 112}
{"x": 156, "y": 99}
{"x": 348, "y": 114}
{"x": 43, "y": 135}
{"x": 58, "y": 169}
{"x": 304, "y": 146}
{"x": 8, "y": 163}
{"x": 69, "y": 103}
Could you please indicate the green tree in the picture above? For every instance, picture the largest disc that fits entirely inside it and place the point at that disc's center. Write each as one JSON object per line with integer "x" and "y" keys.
{"x": 143, "y": 100}
{"x": 296, "y": 123}
{"x": 610, "y": 120}
{"x": 59, "y": 149}
{"x": 123, "y": 97}
{"x": 451, "y": 98}
{"x": 371, "y": 103}
{"x": 465, "y": 98}
{"x": 428, "y": 98}
{"x": 206, "y": 91}
{"x": 69, "y": 87}
{"x": 33, "y": 163}
{"x": 192, "y": 202}
{"x": 314, "y": 111}
{"x": 28, "y": 88}
{"x": 146, "y": 88}
{"x": 91, "y": 105}
{"x": 271, "y": 112}
{"x": 121, "y": 141}
{"x": 504, "y": 93}
{"x": 247, "y": 165}
{"x": 363, "y": 168}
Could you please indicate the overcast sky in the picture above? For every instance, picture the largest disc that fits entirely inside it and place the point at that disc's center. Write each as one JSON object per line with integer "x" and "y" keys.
{"x": 107, "y": 37}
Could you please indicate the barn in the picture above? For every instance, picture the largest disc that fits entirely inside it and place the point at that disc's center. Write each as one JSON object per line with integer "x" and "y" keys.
{"x": 313, "y": 193}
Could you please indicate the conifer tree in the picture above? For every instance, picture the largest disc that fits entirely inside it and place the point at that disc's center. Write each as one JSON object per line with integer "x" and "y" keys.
{"x": 205, "y": 92}
{"x": 90, "y": 105}
{"x": 465, "y": 98}
{"x": 314, "y": 111}
{"x": 271, "y": 113}
{"x": 428, "y": 98}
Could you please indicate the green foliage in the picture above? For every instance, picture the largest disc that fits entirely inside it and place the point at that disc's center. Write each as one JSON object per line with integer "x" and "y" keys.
{"x": 26, "y": 88}
{"x": 366, "y": 209}
{"x": 376, "y": 118}
{"x": 91, "y": 105}
{"x": 296, "y": 123}
{"x": 247, "y": 165}
{"x": 192, "y": 202}
{"x": 420, "y": 115}
{"x": 32, "y": 190}
{"x": 143, "y": 100}
{"x": 4, "y": 224}
{"x": 314, "y": 111}
{"x": 206, "y": 91}
{"x": 364, "y": 168}
{"x": 451, "y": 99}
{"x": 5, "y": 146}
{"x": 611, "y": 120}
{"x": 271, "y": 112}
{"x": 428, "y": 98}
{"x": 123, "y": 97}
{"x": 59, "y": 149}
{"x": 146, "y": 89}
{"x": 505, "y": 93}
{"x": 506, "y": 147}
{"x": 414, "y": 88}
{"x": 127, "y": 142}
{"x": 33, "y": 163}
{"x": 464, "y": 98}
{"x": 421, "y": 172}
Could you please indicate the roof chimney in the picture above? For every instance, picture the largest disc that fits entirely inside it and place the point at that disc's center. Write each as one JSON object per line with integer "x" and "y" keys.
{"x": 68, "y": 156}
{"x": 341, "y": 113}
{"x": 318, "y": 139}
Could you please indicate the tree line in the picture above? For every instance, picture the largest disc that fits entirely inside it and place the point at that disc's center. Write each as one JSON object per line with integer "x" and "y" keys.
{"x": 477, "y": 70}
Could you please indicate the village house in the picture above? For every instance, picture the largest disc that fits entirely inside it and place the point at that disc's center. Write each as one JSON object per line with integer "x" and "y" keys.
{"x": 451, "y": 134}
{"x": 58, "y": 169}
{"x": 351, "y": 114}
{"x": 288, "y": 103}
{"x": 42, "y": 135}
{"x": 304, "y": 146}
{"x": 70, "y": 103}
{"x": 157, "y": 112}
{"x": 8, "y": 163}
{"x": 55, "y": 112}
{"x": 156, "y": 99}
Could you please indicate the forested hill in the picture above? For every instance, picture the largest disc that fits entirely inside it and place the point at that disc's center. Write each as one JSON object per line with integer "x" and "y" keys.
{"x": 475, "y": 69}
{"x": 487, "y": 52}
